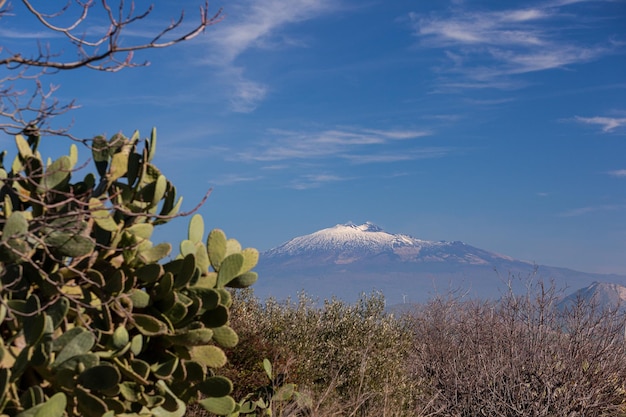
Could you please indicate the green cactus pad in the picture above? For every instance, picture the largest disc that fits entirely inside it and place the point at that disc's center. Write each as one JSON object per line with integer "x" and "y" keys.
{"x": 187, "y": 247}
{"x": 196, "y": 228}
{"x": 195, "y": 337}
{"x": 88, "y": 404}
{"x": 100, "y": 378}
{"x": 208, "y": 296}
{"x": 136, "y": 344}
{"x": 31, "y": 397}
{"x": 141, "y": 368}
{"x": 57, "y": 311}
{"x": 244, "y": 280}
{"x": 232, "y": 246}
{"x": 164, "y": 287}
{"x": 216, "y": 317}
{"x": 176, "y": 312}
{"x": 23, "y": 147}
{"x": 119, "y": 164}
{"x": 57, "y": 174}
{"x": 120, "y": 337}
{"x": 115, "y": 283}
{"x": 216, "y": 386}
{"x": 149, "y": 273}
{"x": 53, "y": 407}
{"x": 229, "y": 269}
{"x": 225, "y": 336}
{"x": 166, "y": 367}
{"x": 70, "y": 244}
{"x": 16, "y": 225}
{"x": 101, "y": 215}
{"x": 148, "y": 325}
{"x": 76, "y": 341}
{"x": 141, "y": 230}
{"x": 226, "y": 299}
{"x": 173, "y": 406}
{"x": 196, "y": 371}
{"x": 222, "y": 406}
{"x": 209, "y": 280}
{"x": 211, "y": 356}
{"x": 202, "y": 258}
{"x": 152, "y": 144}
{"x": 155, "y": 253}
{"x": 140, "y": 298}
{"x": 250, "y": 259}
{"x": 216, "y": 246}
{"x": 83, "y": 361}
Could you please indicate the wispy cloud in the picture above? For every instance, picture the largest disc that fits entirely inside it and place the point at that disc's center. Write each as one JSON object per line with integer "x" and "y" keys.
{"x": 306, "y": 182}
{"x": 230, "y": 179}
{"x": 581, "y": 211}
{"x": 335, "y": 143}
{"x": 620, "y": 173}
{"x": 608, "y": 124}
{"x": 408, "y": 155}
{"x": 508, "y": 42}
{"x": 255, "y": 24}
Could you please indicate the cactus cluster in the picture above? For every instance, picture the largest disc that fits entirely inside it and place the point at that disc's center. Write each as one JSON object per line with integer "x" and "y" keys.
{"x": 96, "y": 320}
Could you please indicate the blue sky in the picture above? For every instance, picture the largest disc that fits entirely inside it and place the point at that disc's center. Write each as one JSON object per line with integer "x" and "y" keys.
{"x": 501, "y": 124}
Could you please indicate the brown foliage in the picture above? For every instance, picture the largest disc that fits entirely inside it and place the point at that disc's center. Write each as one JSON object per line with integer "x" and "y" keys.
{"x": 521, "y": 356}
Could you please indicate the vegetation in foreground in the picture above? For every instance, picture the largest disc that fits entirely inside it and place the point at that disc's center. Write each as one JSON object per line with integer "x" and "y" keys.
{"x": 519, "y": 356}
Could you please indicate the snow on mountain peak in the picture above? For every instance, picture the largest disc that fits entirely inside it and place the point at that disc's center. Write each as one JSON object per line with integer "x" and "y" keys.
{"x": 349, "y": 237}
{"x": 349, "y": 243}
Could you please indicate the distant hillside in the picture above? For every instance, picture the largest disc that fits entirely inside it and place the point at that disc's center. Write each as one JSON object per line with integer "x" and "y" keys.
{"x": 603, "y": 294}
{"x": 348, "y": 259}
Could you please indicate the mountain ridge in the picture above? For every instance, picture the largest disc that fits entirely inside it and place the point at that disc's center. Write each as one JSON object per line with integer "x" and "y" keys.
{"x": 348, "y": 259}
{"x": 370, "y": 238}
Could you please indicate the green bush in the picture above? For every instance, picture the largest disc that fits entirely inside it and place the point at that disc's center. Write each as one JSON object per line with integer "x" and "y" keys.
{"x": 94, "y": 322}
{"x": 349, "y": 358}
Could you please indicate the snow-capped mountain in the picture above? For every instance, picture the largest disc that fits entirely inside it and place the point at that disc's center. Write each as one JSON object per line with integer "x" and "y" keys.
{"x": 349, "y": 243}
{"x": 348, "y": 259}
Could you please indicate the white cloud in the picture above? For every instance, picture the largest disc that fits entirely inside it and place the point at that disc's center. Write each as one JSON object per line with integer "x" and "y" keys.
{"x": 334, "y": 143}
{"x": 505, "y": 43}
{"x": 620, "y": 173}
{"x": 247, "y": 95}
{"x": 249, "y": 25}
{"x": 230, "y": 179}
{"x": 408, "y": 155}
{"x": 253, "y": 21}
{"x": 607, "y": 124}
{"x": 306, "y": 182}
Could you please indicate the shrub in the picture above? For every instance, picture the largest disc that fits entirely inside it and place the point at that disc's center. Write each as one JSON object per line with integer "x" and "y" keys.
{"x": 349, "y": 358}
{"x": 520, "y": 356}
{"x": 92, "y": 323}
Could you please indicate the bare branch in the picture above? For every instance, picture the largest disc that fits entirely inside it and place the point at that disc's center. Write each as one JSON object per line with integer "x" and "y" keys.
{"x": 100, "y": 52}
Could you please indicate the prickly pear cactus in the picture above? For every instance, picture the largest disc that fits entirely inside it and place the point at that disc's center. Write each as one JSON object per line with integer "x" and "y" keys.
{"x": 94, "y": 320}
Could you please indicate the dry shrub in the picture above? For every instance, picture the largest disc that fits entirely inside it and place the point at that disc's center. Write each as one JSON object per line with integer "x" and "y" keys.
{"x": 521, "y": 356}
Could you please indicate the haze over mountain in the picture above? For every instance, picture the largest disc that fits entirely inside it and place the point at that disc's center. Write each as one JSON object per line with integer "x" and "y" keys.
{"x": 604, "y": 294}
{"x": 348, "y": 259}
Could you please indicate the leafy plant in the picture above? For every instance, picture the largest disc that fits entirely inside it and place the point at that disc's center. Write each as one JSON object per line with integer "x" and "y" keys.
{"x": 275, "y": 397}
{"x": 94, "y": 320}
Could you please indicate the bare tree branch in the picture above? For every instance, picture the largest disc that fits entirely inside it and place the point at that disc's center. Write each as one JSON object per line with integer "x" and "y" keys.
{"x": 101, "y": 52}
